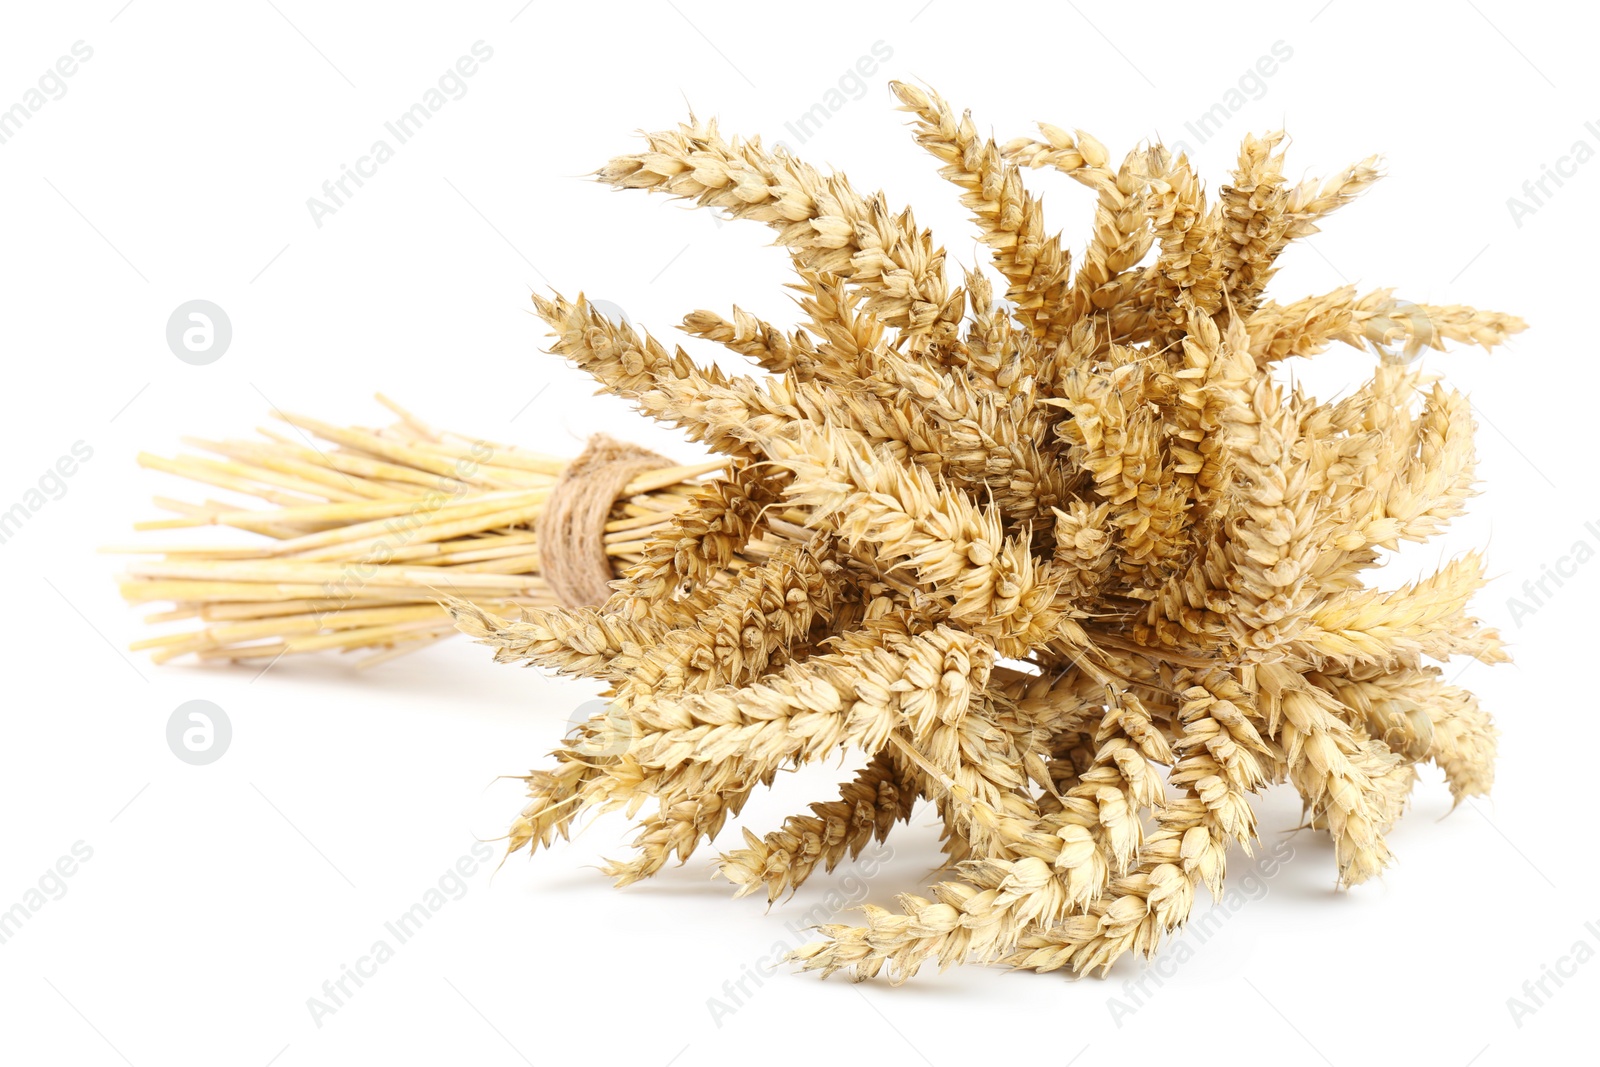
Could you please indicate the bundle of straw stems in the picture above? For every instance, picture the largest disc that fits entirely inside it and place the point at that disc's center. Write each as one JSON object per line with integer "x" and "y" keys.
{"x": 365, "y": 532}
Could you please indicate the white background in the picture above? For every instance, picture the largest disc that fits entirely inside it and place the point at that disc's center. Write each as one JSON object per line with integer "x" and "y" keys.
{"x": 218, "y": 899}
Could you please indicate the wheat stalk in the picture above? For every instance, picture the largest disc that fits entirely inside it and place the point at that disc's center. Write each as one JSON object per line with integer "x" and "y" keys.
{"x": 372, "y": 529}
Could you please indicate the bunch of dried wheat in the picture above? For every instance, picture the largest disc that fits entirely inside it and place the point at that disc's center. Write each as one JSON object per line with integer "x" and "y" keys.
{"x": 1022, "y": 555}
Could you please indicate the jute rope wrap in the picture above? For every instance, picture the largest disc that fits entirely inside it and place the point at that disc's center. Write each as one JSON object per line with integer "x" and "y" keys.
{"x": 571, "y": 530}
